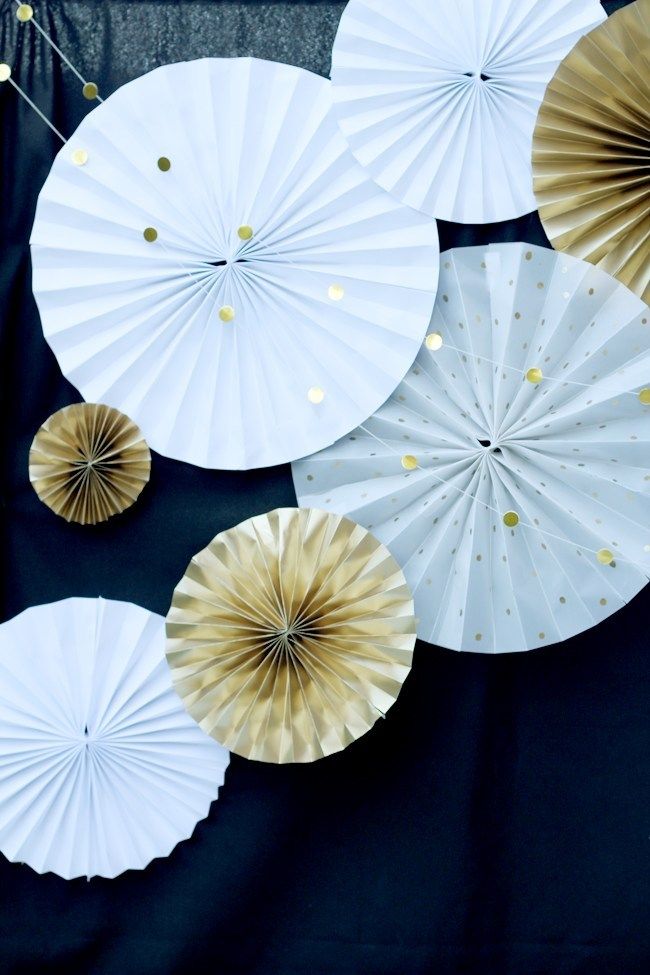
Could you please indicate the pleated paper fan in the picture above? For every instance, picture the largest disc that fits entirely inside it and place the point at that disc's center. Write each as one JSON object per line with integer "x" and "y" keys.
{"x": 509, "y": 474}
{"x": 438, "y": 98}
{"x": 88, "y": 462}
{"x": 591, "y": 149}
{"x": 210, "y": 259}
{"x": 290, "y": 635}
{"x": 101, "y": 769}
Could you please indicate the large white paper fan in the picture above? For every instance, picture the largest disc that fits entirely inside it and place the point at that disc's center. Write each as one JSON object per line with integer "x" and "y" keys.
{"x": 438, "y": 98}
{"x": 101, "y": 768}
{"x": 210, "y": 259}
{"x": 509, "y": 474}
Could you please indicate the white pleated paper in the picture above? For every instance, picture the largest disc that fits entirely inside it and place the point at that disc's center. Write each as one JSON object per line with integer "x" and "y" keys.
{"x": 570, "y": 455}
{"x": 438, "y": 98}
{"x": 101, "y": 768}
{"x": 331, "y": 293}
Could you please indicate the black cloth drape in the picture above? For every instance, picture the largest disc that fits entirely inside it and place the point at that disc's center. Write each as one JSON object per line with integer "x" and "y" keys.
{"x": 496, "y": 823}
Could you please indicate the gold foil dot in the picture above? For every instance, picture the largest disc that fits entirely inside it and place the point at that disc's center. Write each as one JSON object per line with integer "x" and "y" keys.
{"x": 335, "y": 292}
{"x": 409, "y": 462}
{"x": 24, "y": 13}
{"x": 90, "y": 90}
{"x": 245, "y": 232}
{"x": 528, "y": 255}
{"x": 164, "y": 164}
{"x": 315, "y": 394}
{"x": 226, "y": 313}
{"x": 542, "y": 635}
{"x": 511, "y": 519}
{"x": 603, "y": 601}
{"x": 433, "y": 341}
{"x": 534, "y": 375}
{"x": 604, "y": 556}
{"x": 80, "y": 157}
{"x": 478, "y": 636}
{"x": 150, "y": 234}
{"x": 644, "y": 396}
{"x": 562, "y": 599}
{"x": 5, "y": 72}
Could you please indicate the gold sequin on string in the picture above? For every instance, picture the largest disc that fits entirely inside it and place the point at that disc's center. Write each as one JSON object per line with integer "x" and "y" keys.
{"x": 644, "y": 396}
{"x": 534, "y": 375}
{"x": 511, "y": 519}
{"x": 79, "y": 157}
{"x": 226, "y": 313}
{"x": 5, "y": 72}
{"x": 335, "y": 292}
{"x": 604, "y": 556}
{"x": 409, "y": 462}
{"x": 90, "y": 90}
{"x": 150, "y": 234}
{"x": 245, "y": 232}
{"x": 433, "y": 341}
{"x": 164, "y": 164}
{"x": 24, "y": 13}
{"x": 315, "y": 394}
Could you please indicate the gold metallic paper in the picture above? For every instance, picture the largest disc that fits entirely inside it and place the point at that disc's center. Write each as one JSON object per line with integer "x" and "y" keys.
{"x": 290, "y": 635}
{"x": 591, "y": 149}
{"x": 88, "y": 462}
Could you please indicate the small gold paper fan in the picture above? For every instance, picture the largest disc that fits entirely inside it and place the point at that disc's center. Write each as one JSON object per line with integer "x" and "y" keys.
{"x": 290, "y": 635}
{"x": 591, "y": 149}
{"x": 88, "y": 462}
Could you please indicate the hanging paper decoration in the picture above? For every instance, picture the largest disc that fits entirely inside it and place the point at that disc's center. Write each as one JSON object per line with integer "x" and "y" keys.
{"x": 591, "y": 149}
{"x": 509, "y": 473}
{"x": 438, "y": 98}
{"x": 210, "y": 258}
{"x": 290, "y": 635}
{"x": 101, "y": 769}
{"x": 88, "y": 462}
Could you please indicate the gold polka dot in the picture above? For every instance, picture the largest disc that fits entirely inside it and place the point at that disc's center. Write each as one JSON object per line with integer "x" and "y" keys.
{"x": 335, "y": 292}
{"x": 644, "y": 396}
{"x": 528, "y": 255}
{"x": 517, "y": 315}
{"x": 90, "y": 90}
{"x": 478, "y": 636}
{"x": 563, "y": 599}
{"x": 409, "y": 462}
{"x": 433, "y": 341}
{"x": 164, "y": 164}
{"x": 79, "y": 157}
{"x": 315, "y": 394}
{"x": 5, "y": 72}
{"x": 226, "y": 313}
{"x": 534, "y": 375}
{"x": 542, "y": 635}
{"x": 511, "y": 519}
{"x": 603, "y": 601}
{"x": 150, "y": 234}
{"x": 24, "y": 13}
{"x": 245, "y": 232}
{"x": 540, "y": 284}
{"x": 604, "y": 556}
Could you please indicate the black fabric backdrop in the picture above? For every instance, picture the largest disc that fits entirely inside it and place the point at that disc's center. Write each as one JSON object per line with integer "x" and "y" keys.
{"x": 496, "y": 822}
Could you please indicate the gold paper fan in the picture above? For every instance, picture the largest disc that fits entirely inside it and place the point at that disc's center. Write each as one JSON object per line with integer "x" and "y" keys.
{"x": 88, "y": 462}
{"x": 591, "y": 149}
{"x": 289, "y": 635}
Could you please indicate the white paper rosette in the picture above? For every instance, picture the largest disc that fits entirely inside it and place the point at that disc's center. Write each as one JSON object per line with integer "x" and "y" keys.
{"x": 509, "y": 473}
{"x": 210, "y": 259}
{"x": 438, "y": 98}
{"x": 101, "y": 768}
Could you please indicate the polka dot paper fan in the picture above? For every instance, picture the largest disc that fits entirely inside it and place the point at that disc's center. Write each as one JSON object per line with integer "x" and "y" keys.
{"x": 509, "y": 473}
{"x": 210, "y": 259}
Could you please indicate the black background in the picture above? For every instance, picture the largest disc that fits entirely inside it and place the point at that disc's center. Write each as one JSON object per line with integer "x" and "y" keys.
{"x": 495, "y": 823}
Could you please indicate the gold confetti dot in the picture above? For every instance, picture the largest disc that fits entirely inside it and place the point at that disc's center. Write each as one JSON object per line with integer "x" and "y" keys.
{"x": 90, "y": 90}
{"x": 315, "y": 394}
{"x": 24, "y": 13}
{"x": 478, "y": 636}
{"x": 245, "y": 232}
{"x": 335, "y": 292}
{"x": 80, "y": 157}
{"x": 5, "y": 72}
{"x": 563, "y": 599}
{"x": 542, "y": 635}
{"x": 164, "y": 164}
{"x": 409, "y": 462}
{"x": 534, "y": 375}
{"x": 644, "y": 396}
{"x": 150, "y": 234}
{"x": 540, "y": 284}
{"x": 603, "y": 601}
{"x": 433, "y": 341}
{"x": 604, "y": 556}
{"x": 226, "y": 313}
{"x": 528, "y": 255}
{"x": 511, "y": 519}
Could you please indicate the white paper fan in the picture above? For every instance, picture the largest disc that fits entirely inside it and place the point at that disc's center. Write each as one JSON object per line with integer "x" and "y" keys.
{"x": 101, "y": 768}
{"x": 278, "y": 296}
{"x": 438, "y": 98}
{"x": 474, "y": 440}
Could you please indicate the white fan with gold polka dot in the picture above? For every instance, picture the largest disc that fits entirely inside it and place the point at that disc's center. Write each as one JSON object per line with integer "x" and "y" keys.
{"x": 210, "y": 259}
{"x": 509, "y": 473}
